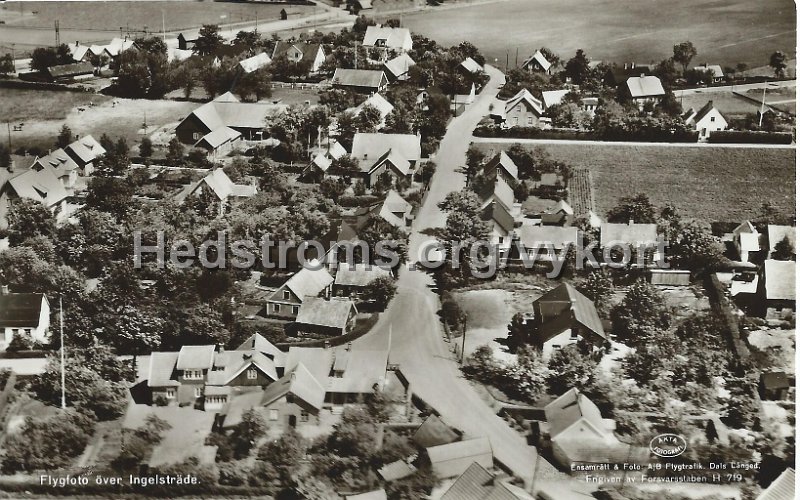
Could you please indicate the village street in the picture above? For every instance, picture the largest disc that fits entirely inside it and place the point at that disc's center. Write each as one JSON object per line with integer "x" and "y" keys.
{"x": 411, "y": 319}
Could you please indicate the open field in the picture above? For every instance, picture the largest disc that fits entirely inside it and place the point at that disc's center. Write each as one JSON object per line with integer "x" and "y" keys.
{"x": 724, "y": 32}
{"x": 100, "y": 21}
{"x": 44, "y": 112}
{"x": 708, "y": 183}
{"x": 725, "y": 101}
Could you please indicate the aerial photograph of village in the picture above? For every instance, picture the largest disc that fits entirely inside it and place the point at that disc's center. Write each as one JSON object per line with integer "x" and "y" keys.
{"x": 398, "y": 249}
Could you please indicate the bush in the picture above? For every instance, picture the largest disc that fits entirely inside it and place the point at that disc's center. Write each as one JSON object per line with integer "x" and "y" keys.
{"x": 749, "y": 137}
{"x": 533, "y": 133}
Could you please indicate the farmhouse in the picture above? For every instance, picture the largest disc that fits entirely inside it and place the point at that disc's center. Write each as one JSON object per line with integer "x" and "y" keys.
{"x": 577, "y": 433}
{"x": 644, "y": 89}
{"x": 221, "y": 187}
{"x": 777, "y": 288}
{"x": 539, "y": 242}
{"x": 397, "y": 68}
{"x": 318, "y": 316}
{"x": 523, "y": 110}
{"x": 716, "y": 71}
{"x": 450, "y": 460}
{"x": 378, "y": 153}
{"x": 562, "y": 316}
{"x": 85, "y": 152}
{"x": 66, "y": 72}
{"x": 42, "y": 186}
{"x": 364, "y": 81}
{"x": 502, "y": 166}
{"x": 285, "y": 302}
{"x": 23, "y": 314}
{"x": 303, "y": 53}
{"x": 398, "y": 39}
{"x": 393, "y": 209}
{"x": 537, "y": 63}
{"x": 61, "y": 165}
{"x": 247, "y": 118}
{"x": 351, "y": 280}
{"x": 705, "y": 121}
{"x": 254, "y": 63}
{"x": 378, "y": 102}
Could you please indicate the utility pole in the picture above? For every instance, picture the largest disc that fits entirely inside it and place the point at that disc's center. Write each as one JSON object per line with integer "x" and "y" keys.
{"x": 63, "y": 348}
{"x": 58, "y": 34}
{"x": 463, "y": 337}
{"x": 763, "y": 101}
{"x": 516, "y": 59}
{"x": 9, "y": 135}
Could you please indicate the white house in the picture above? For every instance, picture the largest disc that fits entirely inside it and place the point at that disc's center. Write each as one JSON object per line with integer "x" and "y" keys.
{"x": 385, "y": 37}
{"x": 644, "y": 89}
{"x": 705, "y": 121}
{"x": 23, "y": 314}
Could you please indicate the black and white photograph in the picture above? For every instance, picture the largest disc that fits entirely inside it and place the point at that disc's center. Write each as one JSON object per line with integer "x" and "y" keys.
{"x": 398, "y": 249}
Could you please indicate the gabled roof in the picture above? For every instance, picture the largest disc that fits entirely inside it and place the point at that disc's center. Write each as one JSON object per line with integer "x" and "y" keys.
{"x": 644, "y": 86}
{"x": 524, "y": 96}
{"x": 568, "y": 409}
{"x": 333, "y": 313}
{"x": 255, "y": 63}
{"x": 496, "y": 212}
{"x": 477, "y": 483}
{"x": 59, "y": 162}
{"x": 395, "y": 38}
{"x": 257, "y": 342}
{"x": 561, "y": 207}
{"x": 162, "y": 366}
{"x": 375, "y": 145}
{"x": 471, "y": 65}
{"x": 395, "y": 158}
{"x": 782, "y": 488}
{"x": 322, "y": 162}
{"x": 501, "y": 160}
{"x": 221, "y": 113}
{"x": 397, "y": 469}
{"x": 442, "y": 456}
{"x": 779, "y": 280}
{"x": 703, "y": 111}
{"x": 433, "y": 432}
{"x": 20, "y": 309}
{"x": 335, "y": 149}
{"x": 42, "y": 186}
{"x": 78, "y": 51}
{"x": 499, "y": 191}
{"x": 582, "y": 309}
{"x": 218, "y": 137}
{"x": 378, "y": 102}
{"x": 744, "y": 227}
{"x": 317, "y": 360}
{"x": 367, "y": 78}
{"x": 309, "y": 50}
{"x": 359, "y": 274}
{"x": 632, "y": 234}
{"x": 118, "y": 45}
{"x": 226, "y": 97}
{"x": 715, "y": 69}
{"x": 74, "y": 69}
{"x": 557, "y": 236}
{"x": 300, "y": 383}
{"x": 552, "y": 97}
{"x": 196, "y": 357}
{"x": 400, "y": 65}
{"x": 539, "y": 59}
{"x": 87, "y": 149}
{"x": 309, "y": 282}
{"x": 230, "y": 364}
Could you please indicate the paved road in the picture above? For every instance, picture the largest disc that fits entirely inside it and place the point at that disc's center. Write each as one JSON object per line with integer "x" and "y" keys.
{"x": 505, "y": 140}
{"x": 417, "y": 343}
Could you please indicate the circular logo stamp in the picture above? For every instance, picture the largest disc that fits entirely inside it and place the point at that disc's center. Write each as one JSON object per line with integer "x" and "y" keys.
{"x": 668, "y": 445}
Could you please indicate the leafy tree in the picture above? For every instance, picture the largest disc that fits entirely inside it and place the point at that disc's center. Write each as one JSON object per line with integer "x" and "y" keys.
{"x": 284, "y": 454}
{"x": 474, "y": 163}
{"x": 696, "y": 249}
{"x": 665, "y": 71}
{"x": 452, "y": 312}
{"x": 346, "y": 166}
{"x": 633, "y": 208}
{"x": 111, "y": 195}
{"x": 742, "y": 407}
{"x": 247, "y": 433}
{"x": 208, "y": 40}
{"x": 778, "y": 63}
{"x": 64, "y": 137}
{"x": 381, "y": 290}
{"x": 28, "y": 218}
{"x": 248, "y": 38}
{"x": 599, "y": 288}
{"x": 175, "y": 152}
{"x": 332, "y": 188}
{"x": 256, "y": 83}
{"x": 527, "y": 377}
{"x": 569, "y": 367}
{"x": 577, "y": 68}
{"x": 784, "y": 249}
{"x": 642, "y": 310}
{"x": 5, "y": 156}
{"x": 368, "y": 119}
{"x": 683, "y": 53}
{"x": 146, "y": 147}
{"x": 519, "y": 334}
{"x": 6, "y": 64}
{"x": 45, "y": 57}
{"x": 47, "y": 442}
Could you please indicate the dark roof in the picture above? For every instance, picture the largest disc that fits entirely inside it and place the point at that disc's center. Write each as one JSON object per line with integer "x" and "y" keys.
{"x": 66, "y": 70}
{"x": 309, "y": 50}
{"x": 359, "y": 78}
{"x": 582, "y": 309}
{"x": 775, "y": 380}
{"x": 20, "y": 309}
{"x": 433, "y": 432}
{"x": 496, "y": 212}
{"x": 618, "y": 74}
{"x": 474, "y": 484}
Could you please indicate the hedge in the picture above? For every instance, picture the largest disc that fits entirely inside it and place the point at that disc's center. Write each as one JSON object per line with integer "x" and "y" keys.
{"x": 533, "y": 133}
{"x": 357, "y": 201}
{"x": 749, "y": 137}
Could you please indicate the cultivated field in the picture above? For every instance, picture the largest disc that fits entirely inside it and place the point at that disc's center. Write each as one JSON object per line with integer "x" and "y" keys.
{"x": 709, "y": 183}
{"x": 724, "y": 32}
{"x": 44, "y": 112}
{"x": 30, "y": 24}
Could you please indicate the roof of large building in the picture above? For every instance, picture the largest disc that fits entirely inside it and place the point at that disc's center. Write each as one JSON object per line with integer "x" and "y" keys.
{"x": 392, "y": 156}
{"x": 375, "y": 145}
{"x": 317, "y": 360}
{"x": 309, "y": 281}
{"x": 499, "y": 191}
{"x": 59, "y": 162}
{"x": 87, "y": 149}
{"x": 230, "y": 364}
{"x": 496, "y": 212}
{"x": 42, "y": 185}
{"x": 479, "y": 450}
{"x": 399, "y": 65}
{"x": 524, "y": 96}
{"x": 309, "y": 50}
{"x": 385, "y": 36}
{"x": 359, "y": 274}
{"x": 195, "y": 357}
{"x": 73, "y": 69}
{"x": 553, "y": 97}
{"x": 378, "y": 102}
{"x": 118, "y": 45}
{"x": 218, "y": 137}
{"x": 779, "y": 282}
{"x": 369, "y": 78}
{"x": 20, "y": 309}
{"x": 782, "y": 488}
{"x": 228, "y": 113}
{"x": 544, "y": 236}
{"x": 501, "y": 160}
{"x": 644, "y": 86}
{"x": 334, "y": 313}
{"x": 631, "y": 234}
{"x": 582, "y": 307}
{"x": 477, "y": 483}
{"x": 162, "y": 366}
{"x": 393, "y": 209}
{"x": 258, "y": 342}
{"x": 300, "y": 383}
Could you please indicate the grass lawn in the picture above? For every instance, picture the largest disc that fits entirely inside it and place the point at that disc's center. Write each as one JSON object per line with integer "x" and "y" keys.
{"x": 25, "y": 106}
{"x": 712, "y": 184}
{"x": 723, "y": 32}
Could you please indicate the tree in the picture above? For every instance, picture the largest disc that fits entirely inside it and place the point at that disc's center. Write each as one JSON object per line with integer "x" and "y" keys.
{"x": 381, "y": 290}
{"x": 208, "y": 40}
{"x": 247, "y": 432}
{"x": 526, "y": 378}
{"x": 665, "y": 71}
{"x": 45, "y": 57}
{"x": 633, "y": 208}
{"x": 569, "y": 367}
{"x": 27, "y": 218}
{"x": 175, "y": 152}
{"x": 111, "y": 195}
{"x": 346, "y": 166}
{"x": 519, "y": 334}
{"x": 778, "y": 63}
{"x": 332, "y": 188}
{"x": 368, "y": 119}
{"x": 784, "y": 249}
{"x": 577, "y": 68}
{"x": 741, "y": 68}
{"x": 284, "y": 454}
{"x": 248, "y": 38}
{"x": 683, "y": 53}
{"x": 47, "y": 442}
{"x": 696, "y": 249}
{"x": 6, "y": 64}
{"x": 642, "y": 309}
{"x": 474, "y": 162}
{"x": 599, "y": 288}
{"x": 64, "y": 137}
{"x": 146, "y": 147}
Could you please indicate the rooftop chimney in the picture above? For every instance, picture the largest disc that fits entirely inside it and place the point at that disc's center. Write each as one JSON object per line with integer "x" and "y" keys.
{"x": 327, "y": 344}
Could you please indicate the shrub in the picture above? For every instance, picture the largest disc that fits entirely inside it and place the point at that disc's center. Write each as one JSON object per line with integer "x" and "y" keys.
{"x": 750, "y": 137}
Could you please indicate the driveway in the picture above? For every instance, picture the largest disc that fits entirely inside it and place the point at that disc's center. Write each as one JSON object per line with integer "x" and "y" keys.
{"x": 417, "y": 344}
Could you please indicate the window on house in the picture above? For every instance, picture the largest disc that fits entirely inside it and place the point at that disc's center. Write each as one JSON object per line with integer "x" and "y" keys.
{"x": 14, "y": 331}
{"x": 273, "y": 415}
{"x": 193, "y": 374}
{"x": 252, "y": 374}
{"x": 713, "y": 118}
{"x": 28, "y": 331}
{"x": 287, "y": 295}
{"x": 530, "y": 120}
{"x": 170, "y": 393}
{"x": 304, "y": 416}
{"x": 198, "y": 392}
{"x": 196, "y": 136}
{"x": 295, "y": 309}
{"x": 573, "y": 334}
{"x": 556, "y": 346}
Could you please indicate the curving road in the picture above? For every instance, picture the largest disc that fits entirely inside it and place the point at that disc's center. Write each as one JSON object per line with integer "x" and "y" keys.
{"x": 417, "y": 344}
